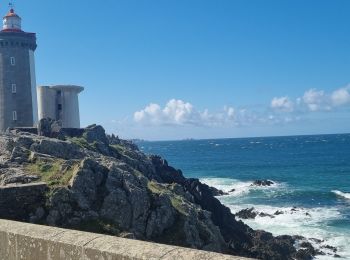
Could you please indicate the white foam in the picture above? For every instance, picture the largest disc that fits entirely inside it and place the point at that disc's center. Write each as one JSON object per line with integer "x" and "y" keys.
{"x": 342, "y": 194}
{"x": 240, "y": 187}
{"x": 309, "y": 223}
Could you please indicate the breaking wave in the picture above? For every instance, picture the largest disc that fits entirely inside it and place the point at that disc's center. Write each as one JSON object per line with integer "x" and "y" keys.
{"x": 345, "y": 195}
{"x": 236, "y": 187}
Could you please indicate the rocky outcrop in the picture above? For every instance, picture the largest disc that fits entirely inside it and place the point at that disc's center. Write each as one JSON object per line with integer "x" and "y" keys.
{"x": 100, "y": 183}
{"x": 262, "y": 183}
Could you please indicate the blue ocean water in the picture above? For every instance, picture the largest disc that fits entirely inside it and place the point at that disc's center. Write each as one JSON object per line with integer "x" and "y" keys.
{"x": 311, "y": 173}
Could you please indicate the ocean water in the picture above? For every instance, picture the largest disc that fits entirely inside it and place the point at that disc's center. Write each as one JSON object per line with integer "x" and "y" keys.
{"x": 311, "y": 173}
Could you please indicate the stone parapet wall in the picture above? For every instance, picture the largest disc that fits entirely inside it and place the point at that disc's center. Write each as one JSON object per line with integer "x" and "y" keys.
{"x": 34, "y": 242}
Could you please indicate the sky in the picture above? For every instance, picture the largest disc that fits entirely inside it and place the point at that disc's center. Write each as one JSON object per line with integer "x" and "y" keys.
{"x": 176, "y": 69}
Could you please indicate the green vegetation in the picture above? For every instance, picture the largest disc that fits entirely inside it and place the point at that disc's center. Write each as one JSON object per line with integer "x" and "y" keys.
{"x": 51, "y": 172}
{"x": 119, "y": 148}
{"x": 82, "y": 142}
{"x": 176, "y": 201}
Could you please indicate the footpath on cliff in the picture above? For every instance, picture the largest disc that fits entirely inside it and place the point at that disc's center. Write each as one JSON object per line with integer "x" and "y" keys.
{"x": 86, "y": 180}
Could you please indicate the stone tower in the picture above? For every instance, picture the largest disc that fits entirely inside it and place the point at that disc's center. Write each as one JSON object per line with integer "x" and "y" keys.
{"x": 18, "y": 100}
{"x": 60, "y": 102}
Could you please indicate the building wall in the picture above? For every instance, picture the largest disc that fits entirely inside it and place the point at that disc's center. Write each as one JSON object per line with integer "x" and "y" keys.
{"x": 65, "y": 96}
{"x": 33, "y": 85}
{"x": 17, "y": 45}
{"x": 70, "y": 111}
{"x": 46, "y": 102}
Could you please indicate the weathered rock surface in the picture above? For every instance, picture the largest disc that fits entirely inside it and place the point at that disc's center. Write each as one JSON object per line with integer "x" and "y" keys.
{"x": 101, "y": 183}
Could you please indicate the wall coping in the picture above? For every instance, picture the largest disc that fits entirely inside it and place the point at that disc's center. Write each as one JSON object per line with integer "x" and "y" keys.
{"x": 35, "y": 242}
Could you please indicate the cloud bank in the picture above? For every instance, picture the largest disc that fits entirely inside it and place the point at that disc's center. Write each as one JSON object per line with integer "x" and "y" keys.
{"x": 281, "y": 110}
{"x": 179, "y": 112}
{"x": 313, "y": 100}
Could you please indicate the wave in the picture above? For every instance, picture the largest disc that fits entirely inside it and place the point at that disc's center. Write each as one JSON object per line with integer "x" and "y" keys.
{"x": 345, "y": 195}
{"x": 308, "y": 222}
{"x": 236, "y": 187}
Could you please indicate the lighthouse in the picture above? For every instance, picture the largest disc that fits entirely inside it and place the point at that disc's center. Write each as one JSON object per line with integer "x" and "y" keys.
{"x": 18, "y": 98}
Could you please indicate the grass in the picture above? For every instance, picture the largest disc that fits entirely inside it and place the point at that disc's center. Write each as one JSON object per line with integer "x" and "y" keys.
{"x": 176, "y": 201}
{"x": 51, "y": 173}
{"x": 81, "y": 141}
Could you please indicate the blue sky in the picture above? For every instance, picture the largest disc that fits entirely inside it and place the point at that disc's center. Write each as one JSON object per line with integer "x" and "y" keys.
{"x": 176, "y": 69}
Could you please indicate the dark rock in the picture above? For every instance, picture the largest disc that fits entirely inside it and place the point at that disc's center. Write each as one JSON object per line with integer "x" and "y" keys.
{"x": 165, "y": 173}
{"x": 278, "y": 212}
{"x": 262, "y": 183}
{"x": 332, "y": 248}
{"x": 216, "y": 192}
{"x": 303, "y": 254}
{"x": 49, "y": 127}
{"x": 95, "y": 133}
{"x": 247, "y": 213}
{"x": 262, "y": 214}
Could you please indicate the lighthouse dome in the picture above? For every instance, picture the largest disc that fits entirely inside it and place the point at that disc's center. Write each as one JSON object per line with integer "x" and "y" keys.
{"x": 12, "y": 22}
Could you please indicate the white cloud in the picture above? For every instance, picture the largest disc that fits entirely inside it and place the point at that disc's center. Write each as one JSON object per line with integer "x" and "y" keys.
{"x": 178, "y": 112}
{"x": 341, "y": 96}
{"x": 283, "y": 104}
{"x": 283, "y": 110}
{"x": 316, "y": 100}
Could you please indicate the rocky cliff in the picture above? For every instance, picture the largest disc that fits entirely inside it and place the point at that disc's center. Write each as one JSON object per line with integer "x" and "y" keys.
{"x": 94, "y": 182}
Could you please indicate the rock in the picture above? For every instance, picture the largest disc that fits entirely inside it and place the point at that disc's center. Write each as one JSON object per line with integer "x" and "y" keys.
{"x": 15, "y": 175}
{"x": 303, "y": 254}
{"x": 332, "y": 248}
{"x": 53, "y": 217}
{"x": 95, "y": 133}
{"x": 165, "y": 173}
{"x": 278, "y": 212}
{"x": 232, "y": 190}
{"x": 216, "y": 192}
{"x": 262, "y": 183}
{"x": 49, "y": 127}
{"x": 262, "y": 214}
{"x": 247, "y": 213}
{"x": 57, "y": 148}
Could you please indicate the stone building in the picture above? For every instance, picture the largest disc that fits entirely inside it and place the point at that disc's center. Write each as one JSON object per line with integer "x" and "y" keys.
{"x": 60, "y": 103}
{"x": 18, "y": 100}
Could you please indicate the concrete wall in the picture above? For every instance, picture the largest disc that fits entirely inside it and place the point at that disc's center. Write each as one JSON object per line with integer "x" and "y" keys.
{"x": 34, "y": 242}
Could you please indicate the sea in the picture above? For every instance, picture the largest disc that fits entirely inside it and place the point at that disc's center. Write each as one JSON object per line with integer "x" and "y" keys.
{"x": 311, "y": 176}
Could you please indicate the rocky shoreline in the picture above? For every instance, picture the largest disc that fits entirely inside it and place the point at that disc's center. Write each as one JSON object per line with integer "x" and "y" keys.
{"x": 94, "y": 182}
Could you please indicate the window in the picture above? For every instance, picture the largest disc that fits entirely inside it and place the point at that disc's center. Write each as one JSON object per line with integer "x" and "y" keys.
{"x": 14, "y": 88}
{"x": 13, "y": 61}
{"x": 59, "y": 107}
{"x": 14, "y": 115}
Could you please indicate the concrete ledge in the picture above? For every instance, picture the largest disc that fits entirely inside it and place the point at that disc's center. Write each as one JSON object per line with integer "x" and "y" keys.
{"x": 34, "y": 242}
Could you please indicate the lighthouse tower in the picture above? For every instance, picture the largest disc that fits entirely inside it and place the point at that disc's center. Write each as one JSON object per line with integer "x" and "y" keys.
{"x": 18, "y": 99}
